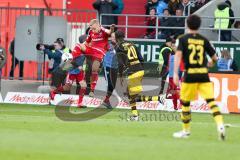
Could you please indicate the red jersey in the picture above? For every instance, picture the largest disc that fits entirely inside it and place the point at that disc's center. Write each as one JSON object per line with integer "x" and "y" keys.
{"x": 76, "y": 51}
{"x": 98, "y": 40}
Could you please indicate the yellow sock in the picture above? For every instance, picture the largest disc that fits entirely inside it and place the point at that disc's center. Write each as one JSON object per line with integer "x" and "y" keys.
{"x": 216, "y": 112}
{"x": 186, "y": 127}
{"x": 135, "y": 112}
{"x": 186, "y": 116}
{"x": 219, "y": 120}
{"x": 155, "y": 98}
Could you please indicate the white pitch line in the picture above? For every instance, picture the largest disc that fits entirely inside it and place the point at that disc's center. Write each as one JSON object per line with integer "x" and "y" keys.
{"x": 232, "y": 125}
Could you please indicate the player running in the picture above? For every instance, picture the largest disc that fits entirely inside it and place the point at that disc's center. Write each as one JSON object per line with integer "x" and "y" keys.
{"x": 130, "y": 62}
{"x": 95, "y": 46}
{"x": 74, "y": 74}
{"x": 192, "y": 48}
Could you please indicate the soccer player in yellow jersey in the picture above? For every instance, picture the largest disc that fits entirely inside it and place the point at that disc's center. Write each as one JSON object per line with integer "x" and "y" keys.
{"x": 130, "y": 62}
{"x": 192, "y": 49}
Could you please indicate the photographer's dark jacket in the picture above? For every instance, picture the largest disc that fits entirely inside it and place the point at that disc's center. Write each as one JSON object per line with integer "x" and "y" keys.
{"x": 56, "y": 55}
{"x": 105, "y": 7}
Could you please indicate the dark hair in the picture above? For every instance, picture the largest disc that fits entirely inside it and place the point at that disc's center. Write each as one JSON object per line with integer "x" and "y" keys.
{"x": 119, "y": 35}
{"x": 60, "y": 40}
{"x": 168, "y": 39}
{"x": 229, "y": 3}
{"x": 166, "y": 9}
{"x": 194, "y": 22}
{"x": 152, "y": 9}
{"x": 179, "y": 8}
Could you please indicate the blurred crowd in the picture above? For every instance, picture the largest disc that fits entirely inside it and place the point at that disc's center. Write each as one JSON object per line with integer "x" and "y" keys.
{"x": 170, "y": 18}
{"x": 167, "y": 10}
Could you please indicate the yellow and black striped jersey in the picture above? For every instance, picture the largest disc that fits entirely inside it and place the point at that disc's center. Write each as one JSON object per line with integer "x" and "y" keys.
{"x": 129, "y": 58}
{"x": 194, "y": 49}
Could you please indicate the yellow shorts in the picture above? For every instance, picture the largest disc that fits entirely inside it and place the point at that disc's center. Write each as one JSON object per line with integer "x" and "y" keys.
{"x": 135, "y": 83}
{"x": 190, "y": 91}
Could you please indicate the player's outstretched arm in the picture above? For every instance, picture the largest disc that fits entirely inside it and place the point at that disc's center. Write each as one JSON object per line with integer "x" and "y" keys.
{"x": 111, "y": 30}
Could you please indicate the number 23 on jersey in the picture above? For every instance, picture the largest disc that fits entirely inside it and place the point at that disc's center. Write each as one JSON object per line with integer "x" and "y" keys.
{"x": 197, "y": 54}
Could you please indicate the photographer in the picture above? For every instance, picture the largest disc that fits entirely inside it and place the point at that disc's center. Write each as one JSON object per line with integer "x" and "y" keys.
{"x": 54, "y": 53}
{"x": 63, "y": 46}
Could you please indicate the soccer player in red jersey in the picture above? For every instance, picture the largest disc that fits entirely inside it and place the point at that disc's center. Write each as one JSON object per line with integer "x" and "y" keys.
{"x": 76, "y": 73}
{"x": 95, "y": 46}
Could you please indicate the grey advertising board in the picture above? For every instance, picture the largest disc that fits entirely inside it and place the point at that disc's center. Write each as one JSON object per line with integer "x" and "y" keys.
{"x": 28, "y": 35}
{"x": 27, "y": 30}
{"x": 54, "y": 27}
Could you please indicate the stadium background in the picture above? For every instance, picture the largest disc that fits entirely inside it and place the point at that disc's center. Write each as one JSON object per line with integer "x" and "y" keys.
{"x": 34, "y": 132}
{"x": 150, "y": 49}
{"x": 7, "y": 24}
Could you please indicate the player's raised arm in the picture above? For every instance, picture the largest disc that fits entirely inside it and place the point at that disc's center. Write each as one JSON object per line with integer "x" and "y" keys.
{"x": 111, "y": 30}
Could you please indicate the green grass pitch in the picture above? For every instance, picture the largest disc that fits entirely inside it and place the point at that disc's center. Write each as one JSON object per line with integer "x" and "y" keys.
{"x": 34, "y": 132}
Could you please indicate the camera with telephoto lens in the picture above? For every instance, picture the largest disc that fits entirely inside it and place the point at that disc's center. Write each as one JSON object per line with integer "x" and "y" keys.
{"x": 46, "y": 46}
